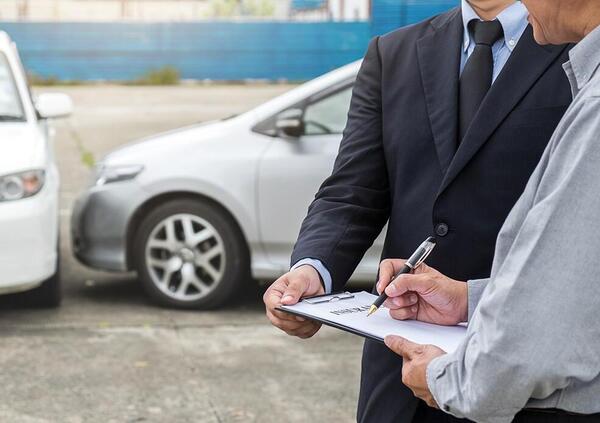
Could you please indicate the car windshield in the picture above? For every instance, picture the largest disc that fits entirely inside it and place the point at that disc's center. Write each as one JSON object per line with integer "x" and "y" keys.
{"x": 11, "y": 108}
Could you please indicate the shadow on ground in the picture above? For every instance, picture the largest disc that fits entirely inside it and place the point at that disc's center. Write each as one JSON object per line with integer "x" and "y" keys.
{"x": 120, "y": 290}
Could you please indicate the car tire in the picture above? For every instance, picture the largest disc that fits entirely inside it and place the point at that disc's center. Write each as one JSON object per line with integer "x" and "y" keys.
{"x": 175, "y": 269}
{"x": 49, "y": 293}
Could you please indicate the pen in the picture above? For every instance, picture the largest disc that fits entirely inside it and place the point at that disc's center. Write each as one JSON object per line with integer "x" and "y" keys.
{"x": 411, "y": 264}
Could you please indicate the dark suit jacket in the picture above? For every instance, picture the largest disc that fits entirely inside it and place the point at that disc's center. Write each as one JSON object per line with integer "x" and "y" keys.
{"x": 398, "y": 160}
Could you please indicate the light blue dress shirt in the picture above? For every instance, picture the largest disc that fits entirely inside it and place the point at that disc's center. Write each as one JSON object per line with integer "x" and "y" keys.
{"x": 514, "y": 22}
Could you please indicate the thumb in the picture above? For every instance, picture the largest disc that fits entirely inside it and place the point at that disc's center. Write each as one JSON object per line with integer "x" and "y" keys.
{"x": 294, "y": 291}
{"x": 401, "y": 346}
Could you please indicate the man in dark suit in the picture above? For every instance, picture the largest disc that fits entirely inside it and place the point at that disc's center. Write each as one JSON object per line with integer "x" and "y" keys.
{"x": 448, "y": 119}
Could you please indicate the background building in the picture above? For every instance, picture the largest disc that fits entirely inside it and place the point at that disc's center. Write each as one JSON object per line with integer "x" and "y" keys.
{"x": 201, "y": 39}
{"x": 181, "y": 10}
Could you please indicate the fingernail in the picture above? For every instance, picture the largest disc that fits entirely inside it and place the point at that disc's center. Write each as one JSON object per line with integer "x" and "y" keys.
{"x": 413, "y": 298}
{"x": 413, "y": 309}
{"x": 300, "y": 319}
{"x": 287, "y": 298}
{"x": 391, "y": 289}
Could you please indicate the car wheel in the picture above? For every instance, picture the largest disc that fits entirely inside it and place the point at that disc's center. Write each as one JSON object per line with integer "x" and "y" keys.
{"x": 189, "y": 254}
{"x": 49, "y": 293}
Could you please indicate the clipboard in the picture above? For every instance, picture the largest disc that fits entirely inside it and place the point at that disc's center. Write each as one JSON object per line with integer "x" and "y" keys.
{"x": 347, "y": 311}
{"x": 329, "y": 298}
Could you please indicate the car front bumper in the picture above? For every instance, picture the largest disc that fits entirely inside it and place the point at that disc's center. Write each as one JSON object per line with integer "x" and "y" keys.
{"x": 99, "y": 223}
{"x": 28, "y": 240}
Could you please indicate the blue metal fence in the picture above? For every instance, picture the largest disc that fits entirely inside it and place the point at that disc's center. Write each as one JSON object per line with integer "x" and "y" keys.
{"x": 388, "y": 15}
{"x": 307, "y": 4}
{"x": 213, "y": 50}
{"x": 207, "y": 50}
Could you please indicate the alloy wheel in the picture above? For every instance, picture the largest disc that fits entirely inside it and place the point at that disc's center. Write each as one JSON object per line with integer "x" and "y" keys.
{"x": 185, "y": 257}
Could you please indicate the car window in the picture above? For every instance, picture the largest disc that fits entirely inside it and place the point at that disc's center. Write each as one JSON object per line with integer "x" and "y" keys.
{"x": 24, "y": 72}
{"x": 328, "y": 115}
{"x": 10, "y": 103}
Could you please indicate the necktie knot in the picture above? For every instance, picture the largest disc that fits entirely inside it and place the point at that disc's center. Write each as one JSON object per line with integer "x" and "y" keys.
{"x": 486, "y": 32}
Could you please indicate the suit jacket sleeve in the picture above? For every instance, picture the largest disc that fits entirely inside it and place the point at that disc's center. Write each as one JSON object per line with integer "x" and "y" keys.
{"x": 352, "y": 205}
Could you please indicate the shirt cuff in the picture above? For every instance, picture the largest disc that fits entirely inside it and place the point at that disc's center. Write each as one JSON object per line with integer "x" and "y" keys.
{"x": 320, "y": 268}
{"x": 475, "y": 290}
{"x": 441, "y": 389}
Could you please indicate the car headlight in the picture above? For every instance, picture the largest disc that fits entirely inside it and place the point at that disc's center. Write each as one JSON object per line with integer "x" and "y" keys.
{"x": 21, "y": 185}
{"x": 109, "y": 174}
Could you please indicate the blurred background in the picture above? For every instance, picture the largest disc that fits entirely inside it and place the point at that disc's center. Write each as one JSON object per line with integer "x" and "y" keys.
{"x": 152, "y": 86}
{"x": 84, "y": 40}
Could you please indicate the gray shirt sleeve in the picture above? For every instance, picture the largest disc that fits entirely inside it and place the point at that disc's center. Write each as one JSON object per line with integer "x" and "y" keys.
{"x": 535, "y": 330}
{"x": 475, "y": 290}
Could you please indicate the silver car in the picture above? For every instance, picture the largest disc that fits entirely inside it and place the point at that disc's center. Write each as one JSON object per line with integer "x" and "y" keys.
{"x": 199, "y": 211}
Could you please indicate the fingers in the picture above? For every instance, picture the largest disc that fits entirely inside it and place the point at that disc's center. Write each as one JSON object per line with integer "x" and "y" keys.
{"x": 387, "y": 270}
{"x": 405, "y": 313}
{"x": 287, "y": 316}
{"x": 273, "y": 297}
{"x": 430, "y": 401}
{"x": 302, "y": 330}
{"x": 406, "y": 300}
{"x": 282, "y": 321}
{"x": 285, "y": 321}
{"x": 421, "y": 284}
{"x": 402, "y": 346}
{"x": 296, "y": 288}
{"x": 308, "y": 331}
{"x": 423, "y": 268}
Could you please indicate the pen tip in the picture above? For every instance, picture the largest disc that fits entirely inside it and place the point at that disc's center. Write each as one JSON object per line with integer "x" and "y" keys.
{"x": 372, "y": 310}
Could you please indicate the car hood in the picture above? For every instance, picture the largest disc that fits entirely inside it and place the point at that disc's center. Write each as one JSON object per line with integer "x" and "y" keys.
{"x": 22, "y": 148}
{"x": 169, "y": 144}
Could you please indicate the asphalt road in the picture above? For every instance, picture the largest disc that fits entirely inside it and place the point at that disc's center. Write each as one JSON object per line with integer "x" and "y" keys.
{"x": 109, "y": 355}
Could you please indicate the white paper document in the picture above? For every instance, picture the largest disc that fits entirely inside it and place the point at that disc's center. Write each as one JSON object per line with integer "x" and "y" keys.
{"x": 349, "y": 312}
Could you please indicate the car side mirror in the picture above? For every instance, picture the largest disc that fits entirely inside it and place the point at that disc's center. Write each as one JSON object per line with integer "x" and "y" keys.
{"x": 290, "y": 123}
{"x": 53, "y": 105}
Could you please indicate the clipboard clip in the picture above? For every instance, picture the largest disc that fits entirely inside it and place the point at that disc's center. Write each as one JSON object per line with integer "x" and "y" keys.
{"x": 329, "y": 298}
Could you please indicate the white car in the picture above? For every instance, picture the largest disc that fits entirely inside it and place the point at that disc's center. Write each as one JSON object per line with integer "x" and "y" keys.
{"x": 199, "y": 210}
{"x": 29, "y": 183}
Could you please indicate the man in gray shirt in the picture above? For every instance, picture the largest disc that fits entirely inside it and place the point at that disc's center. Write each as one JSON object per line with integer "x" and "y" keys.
{"x": 532, "y": 348}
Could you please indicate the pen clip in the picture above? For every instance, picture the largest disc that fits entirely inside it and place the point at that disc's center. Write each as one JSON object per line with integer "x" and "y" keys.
{"x": 329, "y": 298}
{"x": 421, "y": 254}
{"x": 423, "y": 258}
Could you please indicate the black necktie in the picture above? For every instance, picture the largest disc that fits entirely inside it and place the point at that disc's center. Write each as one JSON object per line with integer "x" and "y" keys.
{"x": 476, "y": 78}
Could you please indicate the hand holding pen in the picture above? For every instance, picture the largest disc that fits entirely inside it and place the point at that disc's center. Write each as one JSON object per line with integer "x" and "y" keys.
{"x": 424, "y": 294}
{"x": 415, "y": 260}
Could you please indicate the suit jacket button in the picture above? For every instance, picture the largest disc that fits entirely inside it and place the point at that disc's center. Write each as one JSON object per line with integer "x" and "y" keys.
{"x": 441, "y": 229}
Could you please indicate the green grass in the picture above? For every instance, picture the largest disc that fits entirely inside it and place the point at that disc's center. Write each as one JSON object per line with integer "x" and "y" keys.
{"x": 50, "y": 81}
{"x": 87, "y": 157}
{"x": 167, "y": 75}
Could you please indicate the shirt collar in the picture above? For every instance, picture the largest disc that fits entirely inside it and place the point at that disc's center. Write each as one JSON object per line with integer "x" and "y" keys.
{"x": 585, "y": 58}
{"x": 513, "y": 20}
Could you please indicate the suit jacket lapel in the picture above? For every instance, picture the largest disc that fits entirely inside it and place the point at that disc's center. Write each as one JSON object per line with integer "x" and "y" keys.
{"x": 525, "y": 66}
{"x": 439, "y": 63}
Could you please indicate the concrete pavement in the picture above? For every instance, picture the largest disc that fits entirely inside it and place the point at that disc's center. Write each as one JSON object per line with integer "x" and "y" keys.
{"x": 109, "y": 355}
